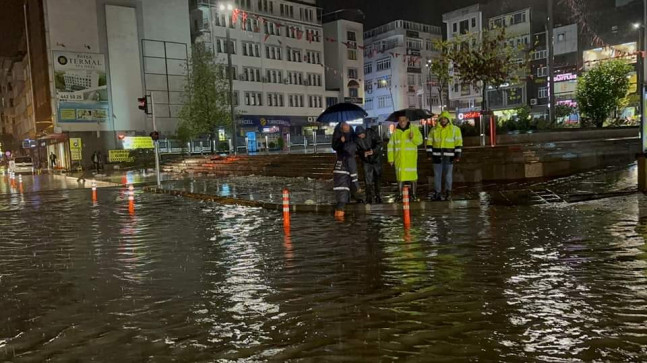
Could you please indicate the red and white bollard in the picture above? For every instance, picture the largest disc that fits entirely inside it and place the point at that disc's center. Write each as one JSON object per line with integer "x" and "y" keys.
{"x": 406, "y": 208}
{"x": 94, "y": 191}
{"x": 20, "y": 184}
{"x": 286, "y": 208}
{"x": 131, "y": 199}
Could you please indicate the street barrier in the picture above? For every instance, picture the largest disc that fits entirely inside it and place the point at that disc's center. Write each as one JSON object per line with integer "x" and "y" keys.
{"x": 20, "y": 184}
{"x": 131, "y": 199}
{"x": 94, "y": 191}
{"x": 406, "y": 208}
{"x": 286, "y": 209}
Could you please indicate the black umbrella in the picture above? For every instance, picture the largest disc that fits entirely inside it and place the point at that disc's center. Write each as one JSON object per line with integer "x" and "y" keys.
{"x": 342, "y": 112}
{"x": 413, "y": 114}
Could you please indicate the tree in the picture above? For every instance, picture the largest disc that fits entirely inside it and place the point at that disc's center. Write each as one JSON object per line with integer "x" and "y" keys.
{"x": 602, "y": 89}
{"x": 439, "y": 69}
{"x": 562, "y": 110}
{"x": 206, "y": 96}
{"x": 486, "y": 59}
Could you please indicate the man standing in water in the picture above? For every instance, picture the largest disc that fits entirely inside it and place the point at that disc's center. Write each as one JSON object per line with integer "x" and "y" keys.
{"x": 403, "y": 154}
{"x": 345, "y": 177}
{"x": 369, "y": 149}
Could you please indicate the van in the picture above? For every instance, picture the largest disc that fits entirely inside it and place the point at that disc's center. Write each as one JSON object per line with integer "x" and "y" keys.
{"x": 22, "y": 164}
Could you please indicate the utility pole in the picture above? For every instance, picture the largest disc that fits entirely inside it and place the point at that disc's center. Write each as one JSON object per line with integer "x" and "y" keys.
{"x": 31, "y": 79}
{"x": 230, "y": 73}
{"x": 551, "y": 63}
{"x": 157, "y": 149}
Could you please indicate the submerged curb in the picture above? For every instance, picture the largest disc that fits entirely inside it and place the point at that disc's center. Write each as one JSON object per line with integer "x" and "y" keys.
{"x": 385, "y": 208}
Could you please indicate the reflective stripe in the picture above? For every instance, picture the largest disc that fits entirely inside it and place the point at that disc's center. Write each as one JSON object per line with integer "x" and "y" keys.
{"x": 410, "y": 169}
{"x": 429, "y": 150}
{"x": 437, "y": 154}
{"x": 447, "y": 153}
{"x": 410, "y": 149}
{"x": 341, "y": 188}
{"x": 449, "y": 140}
{"x": 340, "y": 172}
{"x": 353, "y": 175}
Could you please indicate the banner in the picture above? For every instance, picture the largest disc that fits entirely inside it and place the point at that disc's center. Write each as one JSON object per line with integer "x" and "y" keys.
{"x": 81, "y": 87}
{"x": 119, "y": 156}
{"x": 138, "y": 142}
{"x": 76, "y": 149}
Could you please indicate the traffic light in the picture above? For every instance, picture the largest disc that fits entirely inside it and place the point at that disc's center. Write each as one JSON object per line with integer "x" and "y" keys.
{"x": 143, "y": 104}
{"x": 155, "y": 135}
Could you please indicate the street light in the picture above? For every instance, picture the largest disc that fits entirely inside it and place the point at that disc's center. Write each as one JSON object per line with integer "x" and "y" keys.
{"x": 228, "y": 10}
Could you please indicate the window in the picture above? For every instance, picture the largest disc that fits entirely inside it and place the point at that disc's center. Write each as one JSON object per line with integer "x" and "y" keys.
{"x": 352, "y": 73}
{"x": 251, "y": 25}
{"x": 273, "y": 52}
{"x": 251, "y": 49}
{"x": 561, "y": 37}
{"x": 294, "y": 55}
{"x": 313, "y": 57}
{"x": 457, "y": 88}
{"x": 542, "y": 71}
{"x": 252, "y": 74}
{"x": 464, "y": 27}
{"x": 352, "y": 54}
{"x": 220, "y": 20}
{"x": 221, "y": 46}
{"x": 455, "y": 27}
{"x": 11, "y": 102}
{"x": 272, "y": 28}
{"x": 368, "y": 86}
{"x": 429, "y": 45}
{"x": 275, "y": 99}
{"x": 411, "y": 79}
{"x": 315, "y": 102}
{"x": 473, "y": 22}
{"x": 415, "y": 44}
{"x": 368, "y": 104}
{"x": 295, "y": 101}
{"x": 313, "y": 35}
{"x": 353, "y": 92}
{"x": 518, "y": 18}
{"x": 368, "y": 68}
{"x": 253, "y": 99}
{"x": 383, "y": 64}
{"x": 384, "y": 82}
{"x": 314, "y": 79}
{"x": 274, "y": 76}
{"x": 543, "y": 92}
{"x": 383, "y": 101}
{"x": 351, "y": 36}
{"x": 236, "y": 101}
{"x": 294, "y": 32}
{"x": 331, "y": 101}
{"x": 295, "y": 78}
{"x": 540, "y": 54}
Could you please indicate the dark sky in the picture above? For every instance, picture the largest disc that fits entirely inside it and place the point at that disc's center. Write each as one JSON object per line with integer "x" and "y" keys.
{"x": 379, "y": 12}
{"x": 11, "y": 26}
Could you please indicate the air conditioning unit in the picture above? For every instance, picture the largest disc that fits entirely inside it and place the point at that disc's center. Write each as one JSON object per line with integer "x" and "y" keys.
{"x": 533, "y": 102}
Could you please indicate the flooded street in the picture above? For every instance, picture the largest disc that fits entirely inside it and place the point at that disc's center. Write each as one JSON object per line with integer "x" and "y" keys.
{"x": 181, "y": 280}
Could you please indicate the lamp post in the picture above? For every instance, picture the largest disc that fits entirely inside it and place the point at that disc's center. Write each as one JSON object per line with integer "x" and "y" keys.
{"x": 228, "y": 9}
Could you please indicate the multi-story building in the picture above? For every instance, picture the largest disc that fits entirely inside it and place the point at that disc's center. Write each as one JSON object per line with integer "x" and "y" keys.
{"x": 7, "y": 101}
{"x": 86, "y": 83}
{"x": 344, "y": 56}
{"x": 278, "y": 61}
{"x": 395, "y": 55}
{"x": 467, "y": 21}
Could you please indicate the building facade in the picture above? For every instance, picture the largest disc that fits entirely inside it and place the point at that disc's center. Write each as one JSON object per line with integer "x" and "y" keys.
{"x": 127, "y": 49}
{"x": 344, "y": 57}
{"x": 395, "y": 55}
{"x": 278, "y": 62}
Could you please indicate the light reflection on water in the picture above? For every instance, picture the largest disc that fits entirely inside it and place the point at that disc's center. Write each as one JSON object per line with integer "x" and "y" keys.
{"x": 192, "y": 281}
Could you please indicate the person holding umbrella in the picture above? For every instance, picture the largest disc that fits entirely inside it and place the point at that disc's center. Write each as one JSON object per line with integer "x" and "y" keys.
{"x": 444, "y": 146}
{"x": 345, "y": 178}
{"x": 403, "y": 154}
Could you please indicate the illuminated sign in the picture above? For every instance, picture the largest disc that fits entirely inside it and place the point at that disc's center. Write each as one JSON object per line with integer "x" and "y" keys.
{"x": 118, "y": 156}
{"x": 565, "y": 77}
{"x": 138, "y": 142}
{"x": 468, "y": 115}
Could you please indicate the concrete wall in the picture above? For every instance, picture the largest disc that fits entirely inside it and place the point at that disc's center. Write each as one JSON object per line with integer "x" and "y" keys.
{"x": 558, "y": 136}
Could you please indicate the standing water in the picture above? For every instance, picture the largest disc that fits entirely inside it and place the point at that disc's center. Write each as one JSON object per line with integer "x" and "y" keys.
{"x": 188, "y": 281}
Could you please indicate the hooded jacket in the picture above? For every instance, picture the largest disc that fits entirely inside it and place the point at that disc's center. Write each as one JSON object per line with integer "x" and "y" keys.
{"x": 371, "y": 142}
{"x": 403, "y": 152}
{"x": 445, "y": 141}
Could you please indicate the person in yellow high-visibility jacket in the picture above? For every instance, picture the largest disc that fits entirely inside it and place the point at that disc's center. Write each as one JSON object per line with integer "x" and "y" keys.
{"x": 403, "y": 154}
{"x": 444, "y": 146}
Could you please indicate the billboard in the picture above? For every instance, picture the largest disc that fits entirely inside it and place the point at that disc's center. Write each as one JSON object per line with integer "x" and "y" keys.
{"x": 81, "y": 87}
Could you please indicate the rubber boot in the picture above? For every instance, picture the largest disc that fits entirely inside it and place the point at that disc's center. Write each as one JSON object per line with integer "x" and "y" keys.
{"x": 369, "y": 194}
{"x": 398, "y": 199}
{"x": 378, "y": 198}
{"x": 339, "y": 215}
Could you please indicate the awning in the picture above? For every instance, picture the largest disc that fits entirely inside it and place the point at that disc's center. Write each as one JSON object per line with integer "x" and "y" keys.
{"x": 54, "y": 137}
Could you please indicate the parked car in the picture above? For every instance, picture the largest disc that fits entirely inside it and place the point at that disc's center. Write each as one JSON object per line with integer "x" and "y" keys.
{"x": 22, "y": 165}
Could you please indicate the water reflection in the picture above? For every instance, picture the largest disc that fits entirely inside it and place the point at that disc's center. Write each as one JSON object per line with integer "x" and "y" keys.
{"x": 192, "y": 281}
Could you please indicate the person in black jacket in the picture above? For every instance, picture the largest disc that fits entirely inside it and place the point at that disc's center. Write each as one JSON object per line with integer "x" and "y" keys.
{"x": 345, "y": 177}
{"x": 369, "y": 149}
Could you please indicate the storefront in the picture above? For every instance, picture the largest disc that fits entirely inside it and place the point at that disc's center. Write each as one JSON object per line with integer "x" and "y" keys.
{"x": 58, "y": 145}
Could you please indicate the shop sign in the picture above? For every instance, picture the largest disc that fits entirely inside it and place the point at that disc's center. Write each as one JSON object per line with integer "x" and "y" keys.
{"x": 120, "y": 156}
{"x": 138, "y": 142}
{"x": 81, "y": 87}
{"x": 565, "y": 77}
{"x": 355, "y": 100}
{"x": 468, "y": 115}
{"x": 263, "y": 121}
{"x": 76, "y": 150}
